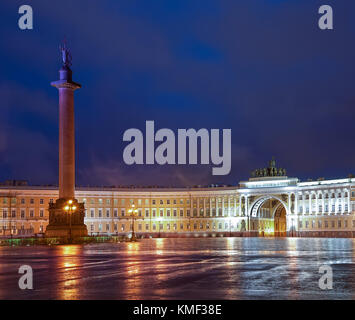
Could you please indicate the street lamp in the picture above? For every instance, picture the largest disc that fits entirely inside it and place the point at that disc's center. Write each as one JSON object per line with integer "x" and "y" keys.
{"x": 133, "y": 213}
{"x": 70, "y": 208}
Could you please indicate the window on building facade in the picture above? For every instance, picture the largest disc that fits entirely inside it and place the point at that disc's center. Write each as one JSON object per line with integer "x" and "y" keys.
{"x": 147, "y": 213}
{"x": 107, "y": 213}
{"x": 41, "y": 201}
{"x": 41, "y": 213}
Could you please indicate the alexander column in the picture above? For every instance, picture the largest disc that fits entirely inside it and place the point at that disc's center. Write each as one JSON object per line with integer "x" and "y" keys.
{"x": 66, "y": 215}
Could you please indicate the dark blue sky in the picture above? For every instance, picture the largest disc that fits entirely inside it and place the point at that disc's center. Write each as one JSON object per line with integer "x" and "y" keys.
{"x": 262, "y": 68}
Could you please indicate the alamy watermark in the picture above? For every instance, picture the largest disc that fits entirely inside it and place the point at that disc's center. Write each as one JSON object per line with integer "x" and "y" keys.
{"x": 25, "y": 281}
{"x": 25, "y": 21}
{"x": 326, "y": 280}
{"x": 165, "y": 152}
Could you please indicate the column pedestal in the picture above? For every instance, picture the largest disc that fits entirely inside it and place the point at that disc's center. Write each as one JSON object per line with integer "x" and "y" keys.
{"x": 66, "y": 225}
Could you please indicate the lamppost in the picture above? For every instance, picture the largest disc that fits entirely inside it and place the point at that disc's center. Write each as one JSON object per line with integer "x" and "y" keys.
{"x": 70, "y": 208}
{"x": 133, "y": 213}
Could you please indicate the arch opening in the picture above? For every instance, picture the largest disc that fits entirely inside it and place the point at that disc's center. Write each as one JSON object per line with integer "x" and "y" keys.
{"x": 268, "y": 218}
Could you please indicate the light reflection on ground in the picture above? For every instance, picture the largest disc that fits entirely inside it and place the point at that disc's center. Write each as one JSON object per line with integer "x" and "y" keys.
{"x": 196, "y": 268}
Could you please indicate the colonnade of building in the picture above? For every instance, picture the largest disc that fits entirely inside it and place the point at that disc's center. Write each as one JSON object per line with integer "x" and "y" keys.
{"x": 258, "y": 207}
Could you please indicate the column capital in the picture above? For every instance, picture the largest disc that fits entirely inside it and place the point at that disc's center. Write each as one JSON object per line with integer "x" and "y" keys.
{"x": 66, "y": 84}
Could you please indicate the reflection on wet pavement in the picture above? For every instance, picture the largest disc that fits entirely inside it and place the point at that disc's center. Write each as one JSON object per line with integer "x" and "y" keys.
{"x": 199, "y": 268}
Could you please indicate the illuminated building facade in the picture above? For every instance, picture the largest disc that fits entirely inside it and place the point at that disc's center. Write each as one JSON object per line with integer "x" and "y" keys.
{"x": 268, "y": 204}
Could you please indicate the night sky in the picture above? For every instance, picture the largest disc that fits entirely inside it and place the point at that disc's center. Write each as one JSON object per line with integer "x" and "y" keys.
{"x": 262, "y": 68}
